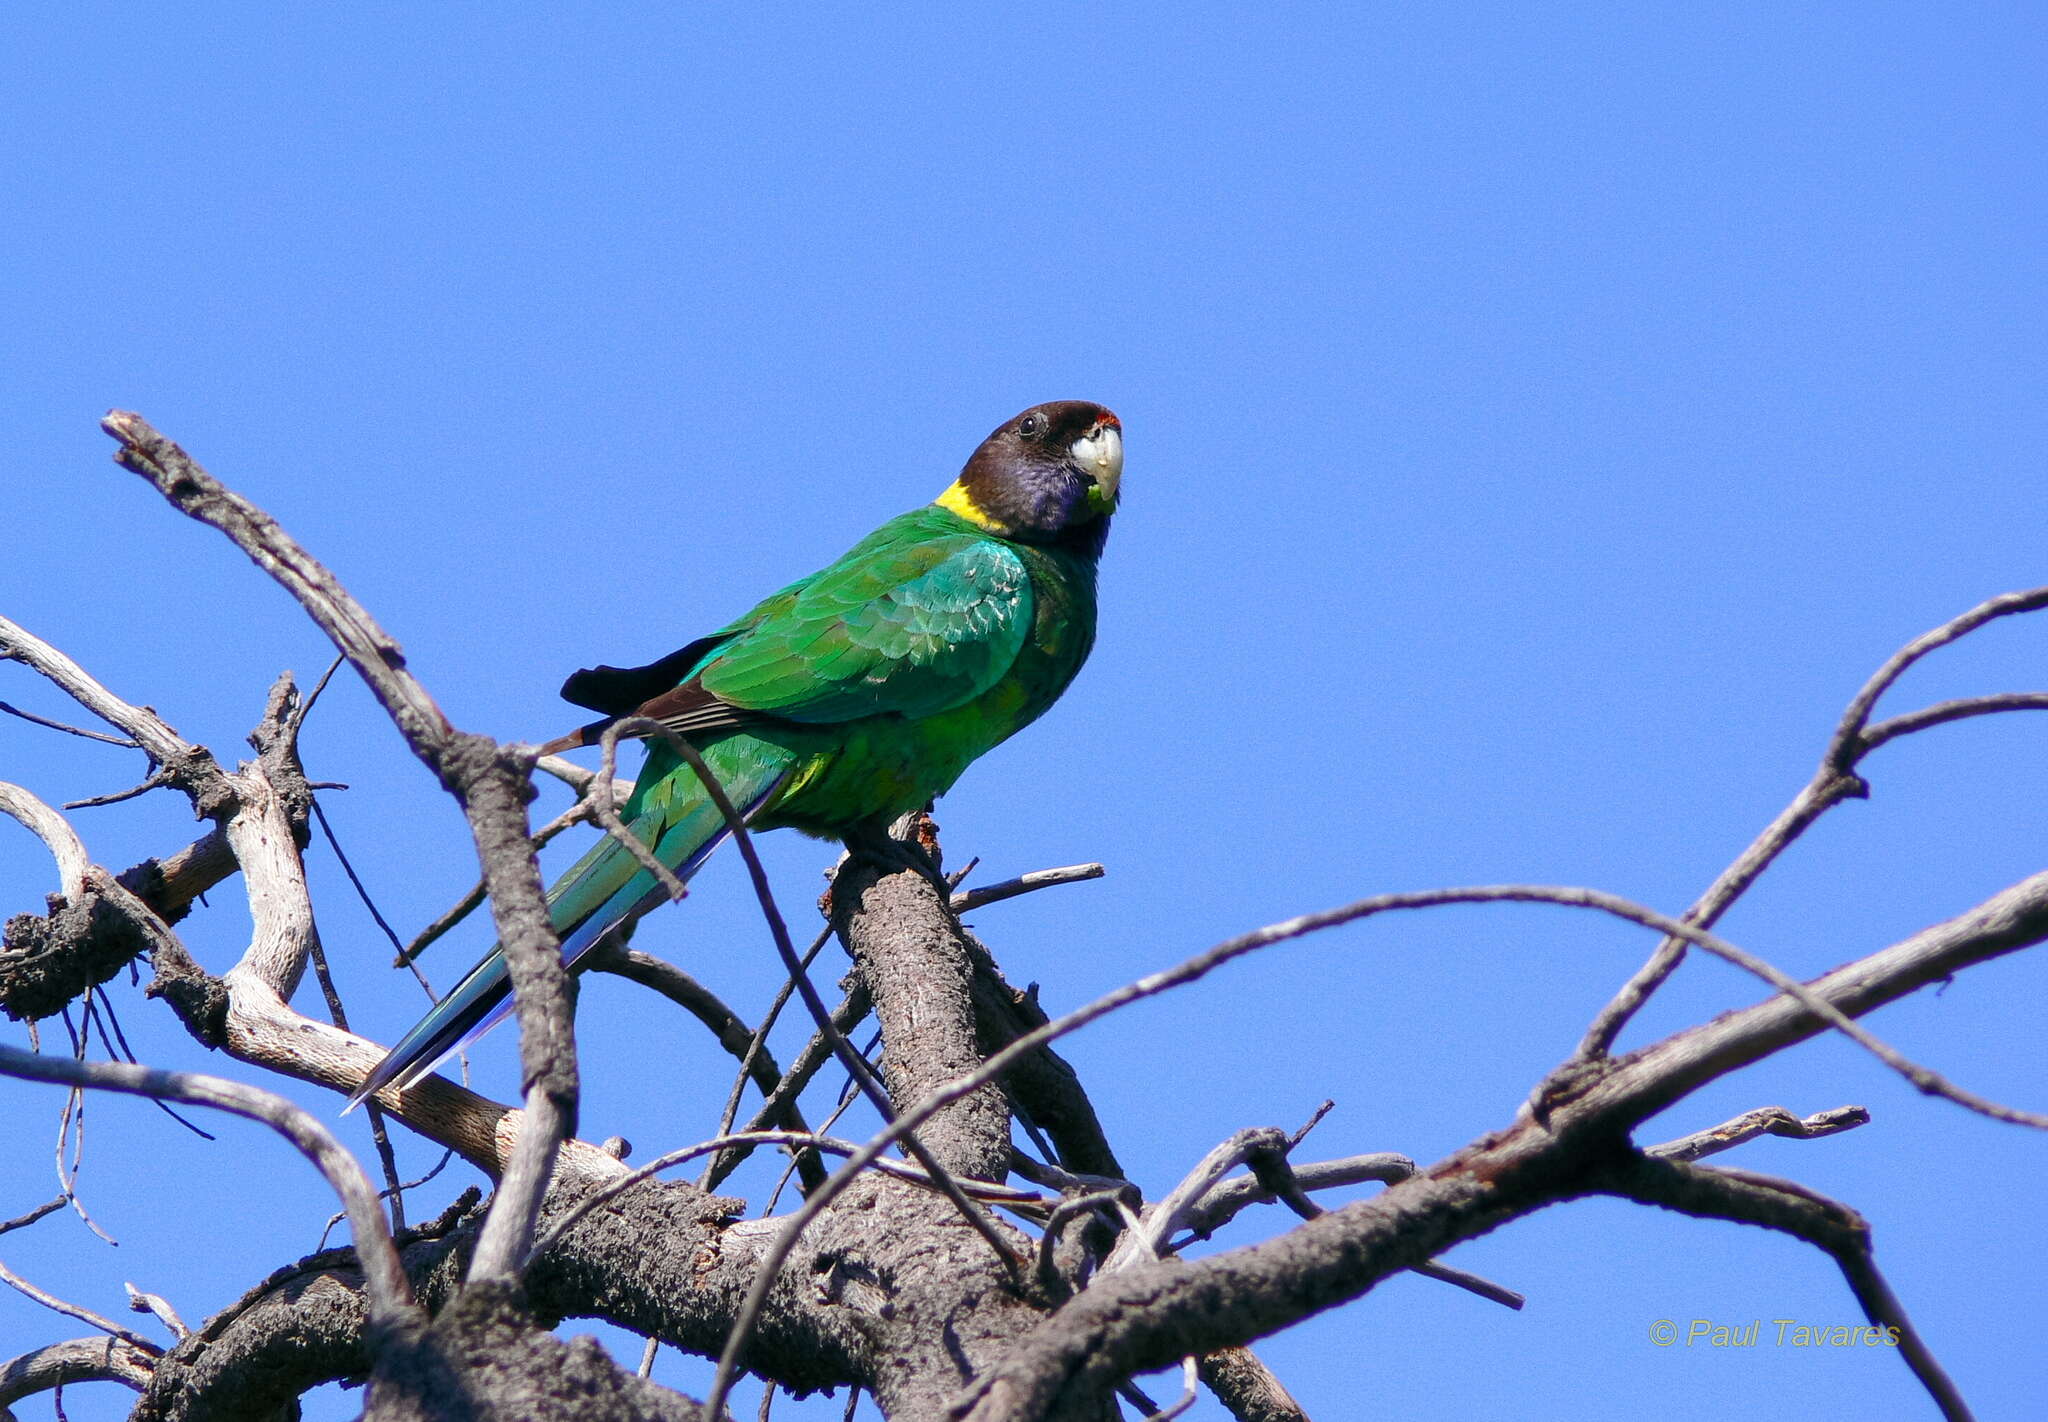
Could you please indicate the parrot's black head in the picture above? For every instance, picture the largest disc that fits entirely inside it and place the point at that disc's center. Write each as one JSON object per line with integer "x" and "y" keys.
{"x": 1048, "y": 476}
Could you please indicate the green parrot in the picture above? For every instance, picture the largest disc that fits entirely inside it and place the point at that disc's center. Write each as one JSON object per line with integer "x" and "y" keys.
{"x": 848, "y": 698}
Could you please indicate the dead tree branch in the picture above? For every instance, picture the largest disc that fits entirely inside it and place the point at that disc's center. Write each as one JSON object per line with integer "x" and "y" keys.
{"x": 490, "y": 782}
{"x": 79, "y": 1360}
{"x": 1764, "y": 1121}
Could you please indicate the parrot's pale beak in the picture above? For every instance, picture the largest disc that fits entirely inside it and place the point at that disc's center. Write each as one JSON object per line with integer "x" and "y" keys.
{"x": 1100, "y": 454}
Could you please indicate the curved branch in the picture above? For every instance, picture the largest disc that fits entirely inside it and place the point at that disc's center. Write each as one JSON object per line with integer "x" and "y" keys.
{"x": 77, "y": 1360}
{"x": 190, "y": 765}
{"x": 54, "y": 831}
{"x": 1849, "y": 743}
{"x": 1764, "y": 1121}
{"x": 390, "y": 1296}
{"x": 1833, "y": 1227}
{"x": 1943, "y": 712}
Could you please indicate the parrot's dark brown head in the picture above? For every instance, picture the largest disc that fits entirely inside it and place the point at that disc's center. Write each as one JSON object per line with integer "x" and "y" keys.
{"x": 1045, "y": 476}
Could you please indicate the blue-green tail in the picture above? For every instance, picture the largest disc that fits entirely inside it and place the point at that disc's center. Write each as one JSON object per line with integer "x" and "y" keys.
{"x": 670, "y": 812}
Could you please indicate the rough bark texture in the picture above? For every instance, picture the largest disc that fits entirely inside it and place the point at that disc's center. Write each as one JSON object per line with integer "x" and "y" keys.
{"x": 915, "y": 958}
{"x": 49, "y": 959}
{"x": 483, "y": 1360}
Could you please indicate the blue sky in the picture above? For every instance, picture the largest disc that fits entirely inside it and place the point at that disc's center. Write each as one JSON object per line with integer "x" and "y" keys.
{"x": 1539, "y": 422}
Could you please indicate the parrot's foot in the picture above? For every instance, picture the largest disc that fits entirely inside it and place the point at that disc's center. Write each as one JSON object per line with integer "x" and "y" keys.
{"x": 918, "y": 851}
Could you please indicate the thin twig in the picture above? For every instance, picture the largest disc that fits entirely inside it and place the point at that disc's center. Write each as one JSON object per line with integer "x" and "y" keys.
{"x": 1846, "y": 747}
{"x": 847, "y": 1097}
{"x": 607, "y": 815}
{"x": 847, "y": 1016}
{"x": 852, "y": 1010}
{"x": 705, "y": 1005}
{"x": 1023, "y": 884}
{"x": 118, "y": 1047}
{"x": 380, "y": 1137}
{"x": 148, "y": 730}
{"x": 1943, "y": 712}
{"x": 150, "y": 782}
{"x": 74, "y": 1108}
{"x": 78, "y": 1311}
{"x": 355, "y": 880}
{"x": 388, "y": 1192}
{"x": 1766, "y": 1120}
{"x": 23, "y": 1221}
{"x": 1720, "y": 1193}
{"x": 1472, "y": 1283}
{"x": 408, "y": 956}
{"x": 1189, "y": 1377}
{"x": 759, "y": 1039}
{"x": 156, "y": 1304}
{"x": 70, "y": 730}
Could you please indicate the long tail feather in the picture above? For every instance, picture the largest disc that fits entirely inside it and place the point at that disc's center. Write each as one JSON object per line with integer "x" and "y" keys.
{"x": 603, "y": 890}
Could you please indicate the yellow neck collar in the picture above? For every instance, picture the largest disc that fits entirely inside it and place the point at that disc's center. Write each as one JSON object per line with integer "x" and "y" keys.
{"x": 957, "y": 500}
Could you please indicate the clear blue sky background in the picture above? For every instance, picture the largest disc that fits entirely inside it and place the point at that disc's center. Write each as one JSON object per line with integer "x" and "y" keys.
{"x": 1539, "y": 423}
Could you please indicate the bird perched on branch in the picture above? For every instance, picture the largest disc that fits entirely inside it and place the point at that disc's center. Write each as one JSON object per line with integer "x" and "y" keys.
{"x": 846, "y": 699}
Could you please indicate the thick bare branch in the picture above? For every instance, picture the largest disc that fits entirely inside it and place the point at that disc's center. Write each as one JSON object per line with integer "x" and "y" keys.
{"x": 916, "y": 963}
{"x": 1247, "y": 1387}
{"x": 54, "y": 831}
{"x": 78, "y": 1360}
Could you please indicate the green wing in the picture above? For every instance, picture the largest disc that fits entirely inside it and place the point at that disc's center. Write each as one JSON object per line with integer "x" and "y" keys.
{"x": 910, "y": 626}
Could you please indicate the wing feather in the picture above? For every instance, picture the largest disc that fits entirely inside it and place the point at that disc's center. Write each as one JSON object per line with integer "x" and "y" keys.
{"x": 906, "y": 624}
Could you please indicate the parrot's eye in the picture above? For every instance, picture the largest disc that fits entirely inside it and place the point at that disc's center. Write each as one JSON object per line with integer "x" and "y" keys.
{"x": 1031, "y": 426}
